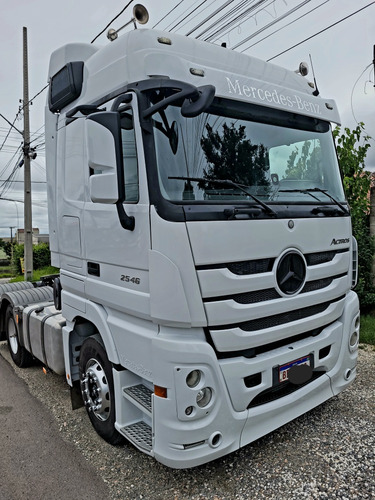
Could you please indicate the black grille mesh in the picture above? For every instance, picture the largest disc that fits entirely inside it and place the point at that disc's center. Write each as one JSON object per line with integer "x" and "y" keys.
{"x": 314, "y": 259}
{"x": 311, "y": 286}
{"x": 255, "y": 297}
{"x": 281, "y": 319}
{"x": 251, "y": 266}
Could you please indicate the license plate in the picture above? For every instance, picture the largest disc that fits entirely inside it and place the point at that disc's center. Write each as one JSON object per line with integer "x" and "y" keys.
{"x": 284, "y": 369}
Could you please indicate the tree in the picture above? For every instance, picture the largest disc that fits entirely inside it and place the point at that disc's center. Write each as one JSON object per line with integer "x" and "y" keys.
{"x": 232, "y": 156}
{"x": 304, "y": 165}
{"x": 7, "y": 247}
{"x": 352, "y": 151}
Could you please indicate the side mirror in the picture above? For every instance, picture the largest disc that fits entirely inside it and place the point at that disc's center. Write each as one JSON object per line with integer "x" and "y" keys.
{"x": 101, "y": 149}
{"x": 103, "y": 188}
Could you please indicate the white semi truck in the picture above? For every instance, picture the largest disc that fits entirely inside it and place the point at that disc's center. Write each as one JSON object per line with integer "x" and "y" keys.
{"x": 198, "y": 219}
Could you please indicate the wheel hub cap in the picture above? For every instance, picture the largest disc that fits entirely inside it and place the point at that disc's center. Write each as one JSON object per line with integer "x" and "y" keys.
{"x": 95, "y": 390}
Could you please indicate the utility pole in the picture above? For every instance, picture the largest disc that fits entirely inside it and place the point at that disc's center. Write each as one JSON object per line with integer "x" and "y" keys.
{"x": 28, "y": 225}
{"x": 11, "y": 246}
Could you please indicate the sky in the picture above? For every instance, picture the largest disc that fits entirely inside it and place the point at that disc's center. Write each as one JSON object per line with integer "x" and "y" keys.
{"x": 342, "y": 52}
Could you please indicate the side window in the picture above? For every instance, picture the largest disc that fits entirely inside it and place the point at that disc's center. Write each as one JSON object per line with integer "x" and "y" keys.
{"x": 129, "y": 152}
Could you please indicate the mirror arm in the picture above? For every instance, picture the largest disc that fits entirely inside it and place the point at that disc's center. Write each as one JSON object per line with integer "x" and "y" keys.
{"x": 189, "y": 93}
{"x": 126, "y": 221}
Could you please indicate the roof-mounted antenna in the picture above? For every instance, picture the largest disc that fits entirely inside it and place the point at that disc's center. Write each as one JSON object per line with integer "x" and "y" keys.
{"x": 140, "y": 15}
{"x": 316, "y": 91}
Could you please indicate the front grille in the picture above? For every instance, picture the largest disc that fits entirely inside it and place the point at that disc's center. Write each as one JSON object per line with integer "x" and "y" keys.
{"x": 279, "y": 319}
{"x": 261, "y": 349}
{"x": 259, "y": 266}
{"x": 271, "y": 294}
{"x": 280, "y": 391}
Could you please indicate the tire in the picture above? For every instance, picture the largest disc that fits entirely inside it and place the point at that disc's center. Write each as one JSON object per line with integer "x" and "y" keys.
{"x": 21, "y": 357}
{"x": 96, "y": 381}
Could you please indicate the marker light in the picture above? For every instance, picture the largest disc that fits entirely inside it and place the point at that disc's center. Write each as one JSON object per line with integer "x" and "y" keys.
{"x": 160, "y": 391}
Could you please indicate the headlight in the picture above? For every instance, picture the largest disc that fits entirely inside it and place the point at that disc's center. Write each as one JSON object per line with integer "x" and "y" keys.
{"x": 204, "y": 397}
{"x": 193, "y": 379}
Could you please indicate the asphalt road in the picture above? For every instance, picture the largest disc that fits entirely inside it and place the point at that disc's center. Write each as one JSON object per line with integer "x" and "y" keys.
{"x": 35, "y": 462}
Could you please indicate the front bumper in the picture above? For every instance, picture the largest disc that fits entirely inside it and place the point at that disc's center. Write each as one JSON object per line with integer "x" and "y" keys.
{"x": 229, "y": 422}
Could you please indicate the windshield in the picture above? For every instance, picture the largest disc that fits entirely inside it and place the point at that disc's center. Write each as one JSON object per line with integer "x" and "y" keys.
{"x": 279, "y": 157}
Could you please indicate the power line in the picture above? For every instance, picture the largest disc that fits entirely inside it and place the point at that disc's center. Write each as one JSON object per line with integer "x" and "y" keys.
{"x": 179, "y": 22}
{"x": 279, "y": 29}
{"x": 321, "y": 31}
{"x": 280, "y": 18}
{"x": 352, "y": 93}
{"x": 19, "y": 112}
{"x": 168, "y": 13}
{"x": 114, "y": 19}
{"x": 239, "y": 17}
{"x": 228, "y": 2}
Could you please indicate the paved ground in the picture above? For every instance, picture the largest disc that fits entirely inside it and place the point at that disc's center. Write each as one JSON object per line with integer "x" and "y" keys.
{"x": 326, "y": 454}
{"x": 35, "y": 462}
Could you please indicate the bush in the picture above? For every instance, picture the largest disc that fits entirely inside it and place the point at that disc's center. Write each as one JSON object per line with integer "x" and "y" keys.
{"x": 352, "y": 150}
{"x": 41, "y": 256}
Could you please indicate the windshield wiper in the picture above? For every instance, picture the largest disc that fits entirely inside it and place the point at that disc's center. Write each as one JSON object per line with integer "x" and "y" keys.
{"x": 228, "y": 182}
{"x": 317, "y": 190}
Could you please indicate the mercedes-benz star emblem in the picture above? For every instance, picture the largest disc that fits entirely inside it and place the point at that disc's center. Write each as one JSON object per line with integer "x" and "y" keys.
{"x": 291, "y": 273}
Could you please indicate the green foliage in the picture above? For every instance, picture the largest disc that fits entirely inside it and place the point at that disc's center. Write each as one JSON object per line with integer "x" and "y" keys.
{"x": 232, "y": 156}
{"x": 7, "y": 247}
{"x": 367, "y": 331}
{"x": 41, "y": 256}
{"x": 37, "y": 274}
{"x": 18, "y": 252}
{"x": 352, "y": 155}
{"x": 352, "y": 151}
{"x": 304, "y": 165}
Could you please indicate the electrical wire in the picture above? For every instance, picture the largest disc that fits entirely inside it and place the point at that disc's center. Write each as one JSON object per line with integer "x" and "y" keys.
{"x": 285, "y": 26}
{"x": 114, "y": 19}
{"x": 228, "y": 2}
{"x": 168, "y": 13}
{"x": 352, "y": 93}
{"x": 238, "y": 16}
{"x": 280, "y": 18}
{"x": 200, "y": 5}
{"x": 321, "y": 31}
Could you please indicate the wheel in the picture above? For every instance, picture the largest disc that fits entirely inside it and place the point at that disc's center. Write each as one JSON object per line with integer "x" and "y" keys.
{"x": 96, "y": 381}
{"x": 19, "y": 354}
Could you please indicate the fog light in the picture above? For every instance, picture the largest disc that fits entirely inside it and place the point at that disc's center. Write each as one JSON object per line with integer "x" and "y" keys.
{"x": 204, "y": 397}
{"x": 353, "y": 341}
{"x": 193, "y": 378}
{"x": 189, "y": 410}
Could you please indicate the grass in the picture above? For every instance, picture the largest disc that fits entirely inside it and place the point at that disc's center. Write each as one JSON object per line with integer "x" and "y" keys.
{"x": 37, "y": 274}
{"x": 367, "y": 332}
{"x": 6, "y": 272}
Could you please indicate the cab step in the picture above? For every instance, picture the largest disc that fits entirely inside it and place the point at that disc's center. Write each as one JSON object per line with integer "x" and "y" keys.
{"x": 140, "y": 434}
{"x": 139, "y": 394}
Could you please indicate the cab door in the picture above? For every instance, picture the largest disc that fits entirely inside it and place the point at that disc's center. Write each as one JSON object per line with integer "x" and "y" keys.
{"x": 116, "y": 215}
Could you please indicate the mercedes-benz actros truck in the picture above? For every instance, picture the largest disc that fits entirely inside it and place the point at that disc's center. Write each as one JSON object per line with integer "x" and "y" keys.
{"x": 198, "y": 219}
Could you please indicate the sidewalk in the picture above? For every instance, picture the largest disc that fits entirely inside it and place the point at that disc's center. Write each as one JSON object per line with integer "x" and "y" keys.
{"x": 35, "y": 462}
